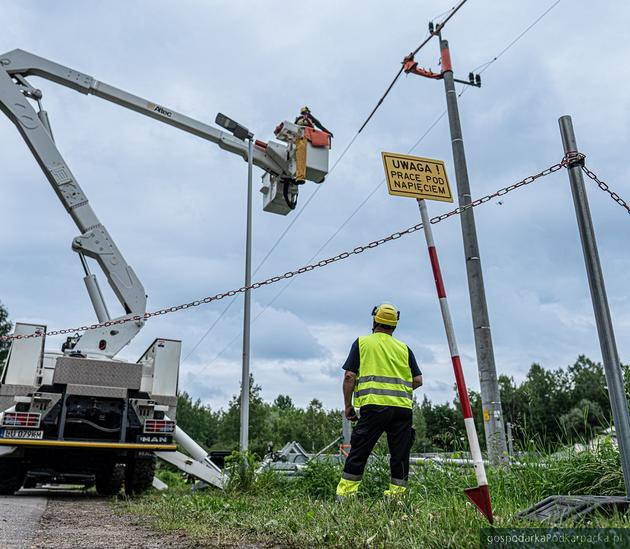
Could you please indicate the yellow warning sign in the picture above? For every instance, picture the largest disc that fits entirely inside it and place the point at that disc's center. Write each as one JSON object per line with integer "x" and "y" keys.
{"x": 416, "y": 177}
{"x": 486, "y": 414}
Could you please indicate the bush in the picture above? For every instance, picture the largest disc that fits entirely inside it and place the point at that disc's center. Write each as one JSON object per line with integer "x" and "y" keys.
{"x": 171, "y": 478}
{"x": 271, "y": 481}
{"x": 319, "y": 479}
{"x": 240, "y": 469}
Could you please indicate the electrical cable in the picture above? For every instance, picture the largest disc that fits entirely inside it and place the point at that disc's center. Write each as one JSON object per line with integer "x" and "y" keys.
{"x": 271, "y": 250}
{"x": 223, "y": 313}
{"x": 533, "y": 24}
{"x": 483, "y": 67}
{"x": 321, "y": 248}
{"x": 439, "y": 27}
{"x": 442, "y": 14}
{"x": 438, "y": 119}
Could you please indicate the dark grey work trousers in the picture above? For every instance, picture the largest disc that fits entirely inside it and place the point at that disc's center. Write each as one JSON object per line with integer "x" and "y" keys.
{"x": 373, "y": 422}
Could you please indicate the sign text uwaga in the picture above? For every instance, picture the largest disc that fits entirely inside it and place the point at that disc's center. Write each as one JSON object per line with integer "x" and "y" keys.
{"x": 416, "y": 177}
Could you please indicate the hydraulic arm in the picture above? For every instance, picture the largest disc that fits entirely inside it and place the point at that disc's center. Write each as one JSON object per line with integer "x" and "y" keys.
{"x": 16, "y": 101}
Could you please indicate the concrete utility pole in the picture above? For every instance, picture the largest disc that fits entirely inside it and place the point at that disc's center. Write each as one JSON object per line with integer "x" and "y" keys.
{"x": 610, "y": 356}
{"x": 490, "y": 396}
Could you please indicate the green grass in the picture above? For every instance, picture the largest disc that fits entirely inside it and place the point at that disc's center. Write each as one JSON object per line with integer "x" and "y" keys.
{"x": 434, "y": 513}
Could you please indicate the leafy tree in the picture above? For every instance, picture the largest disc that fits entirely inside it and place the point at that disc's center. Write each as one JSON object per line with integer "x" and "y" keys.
{"x": 283, "y": 402}
{"x": 259, "y": 421}
{"x": 583, "y": 420}
{"x": 421, "y": 443}
{"x": 197, "y": 420}
{"x": 315, "y": 425}
{"x": 442, "y": 425}
{"x": 541, "y": 396}
{"x": 548, "y": 406}
{"x": 588, "y": 381}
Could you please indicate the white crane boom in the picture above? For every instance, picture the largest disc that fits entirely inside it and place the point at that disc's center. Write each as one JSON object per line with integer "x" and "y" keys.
{"x": 276, "y": 159}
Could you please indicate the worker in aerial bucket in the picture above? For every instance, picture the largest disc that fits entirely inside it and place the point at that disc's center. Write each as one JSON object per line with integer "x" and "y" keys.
{"x": 307, "y": 120}
{"x": 382, "y": 373}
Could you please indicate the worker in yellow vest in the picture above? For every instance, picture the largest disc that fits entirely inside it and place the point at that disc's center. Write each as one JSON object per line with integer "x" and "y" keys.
{"x": 382, "y": 373}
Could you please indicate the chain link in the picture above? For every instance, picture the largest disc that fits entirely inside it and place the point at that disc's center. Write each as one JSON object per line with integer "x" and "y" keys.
{"x": 568, "y": 160}
{"x": 604, "y": 187}
{"x": 575, "y": 158}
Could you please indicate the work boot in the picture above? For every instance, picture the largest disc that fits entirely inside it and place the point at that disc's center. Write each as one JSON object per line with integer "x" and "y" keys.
{"x": 347, "y": 489}
{"x": 396, "y": 489}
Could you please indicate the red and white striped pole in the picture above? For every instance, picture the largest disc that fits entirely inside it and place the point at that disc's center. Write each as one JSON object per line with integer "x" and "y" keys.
{"x": 480, "y": 495}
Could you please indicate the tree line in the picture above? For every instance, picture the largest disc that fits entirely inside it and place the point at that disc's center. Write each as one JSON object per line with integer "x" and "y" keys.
{"x": 547, "y": 408}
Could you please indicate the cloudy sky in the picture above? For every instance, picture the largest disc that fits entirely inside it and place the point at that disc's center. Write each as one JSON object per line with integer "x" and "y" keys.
{"x": 176, "y": 204}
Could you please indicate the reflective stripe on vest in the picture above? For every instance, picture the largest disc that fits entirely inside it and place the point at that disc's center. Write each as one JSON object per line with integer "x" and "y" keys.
{"x": 384, "y": 374}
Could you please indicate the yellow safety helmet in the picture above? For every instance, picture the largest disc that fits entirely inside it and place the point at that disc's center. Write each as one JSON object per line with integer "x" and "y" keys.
{"x": 387, "y": 314}
{"x": 304, "y": 109}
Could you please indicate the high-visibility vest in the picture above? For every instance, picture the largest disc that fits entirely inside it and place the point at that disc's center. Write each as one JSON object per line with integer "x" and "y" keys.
{"x": 384, "y": 375}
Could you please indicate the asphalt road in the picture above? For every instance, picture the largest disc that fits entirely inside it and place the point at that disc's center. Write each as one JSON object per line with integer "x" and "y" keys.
{"x": 72, "y": 519}
{"x": 20, "y": 517}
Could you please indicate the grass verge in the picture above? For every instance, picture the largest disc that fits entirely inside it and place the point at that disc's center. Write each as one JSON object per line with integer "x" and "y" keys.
{"x": 434, "y": 512}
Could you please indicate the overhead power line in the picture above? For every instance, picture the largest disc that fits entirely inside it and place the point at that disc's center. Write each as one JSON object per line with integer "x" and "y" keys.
{"x": 530, "y": 27}
{"x": 271, "y": 250}
{"x": 430, "y": 128}
{"x": 569, "y": 157}
{"x": 438, "y": 28}
{"x": 481, "y": 68}
{"x": 440, "y": 25}
{"x": 294, "y": 219}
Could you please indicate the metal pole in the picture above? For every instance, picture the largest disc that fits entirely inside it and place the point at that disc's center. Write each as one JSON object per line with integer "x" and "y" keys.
{"x": 480, "y": 496}
{"x": 510, "y": 440}
{"x": 489, "y": 385}
{"x": 244, "y": 442}
{"x": 603, "y": 321}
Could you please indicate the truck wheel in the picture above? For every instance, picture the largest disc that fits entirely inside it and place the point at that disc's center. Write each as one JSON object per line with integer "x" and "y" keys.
{"x": 139, "y": 475}
{"x": 30, "y": 482}
{"x": 11, "y": 476}
{"x": 110, "y": 479}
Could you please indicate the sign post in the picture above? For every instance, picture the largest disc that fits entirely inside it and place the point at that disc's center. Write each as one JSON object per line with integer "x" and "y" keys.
{"x": 424, "y": 178}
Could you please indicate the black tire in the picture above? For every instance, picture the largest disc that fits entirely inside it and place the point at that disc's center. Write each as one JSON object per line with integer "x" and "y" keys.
{"x": 139, "y": 474}
{"x": 109, "y": 480}
{"x": 30, "y": 482}
{"x": 11, "y": 476}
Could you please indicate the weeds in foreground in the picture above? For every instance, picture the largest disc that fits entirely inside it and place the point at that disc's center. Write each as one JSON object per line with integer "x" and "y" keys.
{"x": 434, "y": 513}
